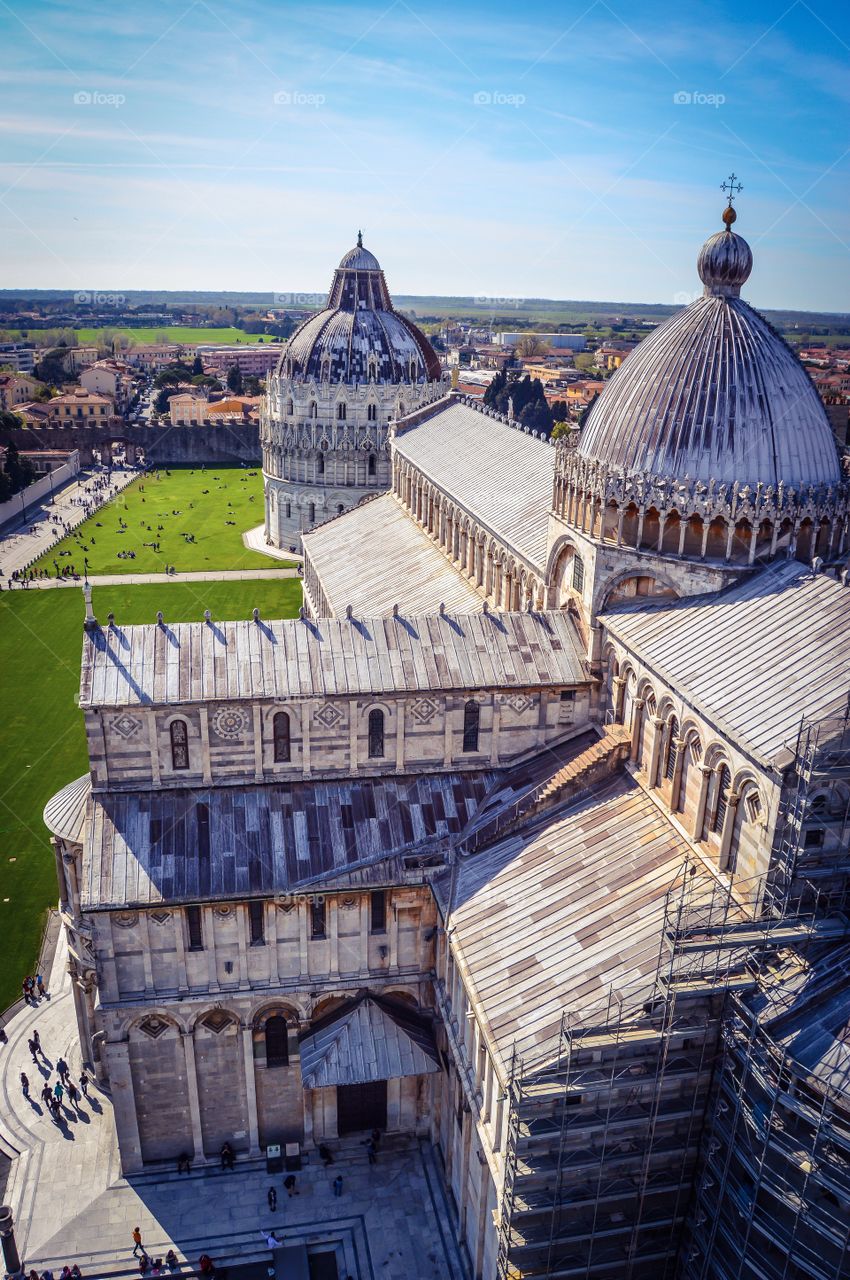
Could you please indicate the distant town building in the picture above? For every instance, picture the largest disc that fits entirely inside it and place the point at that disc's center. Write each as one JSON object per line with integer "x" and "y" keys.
{"x": 254, "y": 360}
{"x": 114, "y": 378}
{"x": 17, "y": 355}
{"x": 80, "y": 408}
{"x": 558, "y": 341}
{"x": 17, "y": 388}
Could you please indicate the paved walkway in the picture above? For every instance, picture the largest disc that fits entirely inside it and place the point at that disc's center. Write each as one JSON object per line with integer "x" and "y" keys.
{"x": 34, "y": 535}
{"x": 70, "y": 1202}
{"x": 255, "y": 540}
{"x": 134, "y": 579}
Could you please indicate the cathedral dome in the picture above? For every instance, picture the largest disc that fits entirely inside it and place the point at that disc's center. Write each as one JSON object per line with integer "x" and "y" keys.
{"x": 359, "y": 336}
{"x": 714, "y": 393}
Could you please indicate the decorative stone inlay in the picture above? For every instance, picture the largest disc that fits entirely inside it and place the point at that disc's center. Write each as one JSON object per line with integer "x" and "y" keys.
{"x": 160, "y": 917}
{"x": 348, "y": 904}
{"x": 229, "y": 723}
{"x": 126, "y": 919}
{"x": 153, "y": 1027}
{"x": 223, "y": 911}
{"x": 519, "y": 702}
{"x": 424, "y": 710}
{"x": 126, "y": 726}
{"x": 217, "y": 1021}
{"x": 328, "y": 715}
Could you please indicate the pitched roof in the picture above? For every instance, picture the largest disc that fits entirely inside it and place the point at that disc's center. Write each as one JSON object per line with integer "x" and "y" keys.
{"x": 410, "y": 570}
{"x": 144, "y": 848}
{"x": 371, "y": 1039}
{"x": 551, "y": 919}
{"x": 754, "y": 660}
{"x": 496, "y": 472}
{"x": 190, "y": 662}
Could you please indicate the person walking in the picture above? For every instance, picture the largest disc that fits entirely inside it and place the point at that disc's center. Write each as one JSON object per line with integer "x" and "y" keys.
{"x": 337, "y": 1185}
{"x": 84, "y": 1084}
{"x": 73, "y": 1094}
{"x": 36, "y": 1040}
{"x": 42, "y": 990}
{"x": 25, "y": 1084}
{"x": 137, "y": 1242}
{"x": 371, "y": 1151}
{"x": 289, "y": 1183}
{"x": 62, "y": 1069}
{"x": 46, "y": 1095}
{"x": 272, "y": 1199}
{"x": 33, "y": 1048}
{"x": 58, "y": 1091}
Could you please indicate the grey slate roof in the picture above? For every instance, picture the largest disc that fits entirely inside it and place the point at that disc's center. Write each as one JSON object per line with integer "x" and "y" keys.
{"x": 375, "y": 556}
{"x": 65, "y": 813}
{"x": 145, "y": 848}
{"x": 371, "y": 1039}
{"x": 756, "y": 658}
{"x": 494, "y": 471}
{"x": 714, "y": 392}
{"x": 549, "y": 919}
{"x": 195, "y": 662}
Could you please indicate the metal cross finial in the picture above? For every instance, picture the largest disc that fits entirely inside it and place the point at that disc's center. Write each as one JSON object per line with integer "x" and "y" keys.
{"x": 731, "y": 186}
{"x": 359, "y": 239}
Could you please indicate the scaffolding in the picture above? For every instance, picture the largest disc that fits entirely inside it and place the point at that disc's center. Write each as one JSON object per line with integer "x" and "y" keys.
{"x": 662, "y": 1141}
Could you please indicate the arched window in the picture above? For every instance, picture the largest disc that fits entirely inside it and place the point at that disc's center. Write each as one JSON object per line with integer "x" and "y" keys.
{"x": 290, "y": 408}
{"x": 724, "y": 779}
{"x": 372, "y": 413}
{"x": 311, "y": 512}
{"x": 372, "y": 464}
{"x": 314, "y": 409}
{"x": 179, "y": 744}
{"x": 277, "y": 1042}
{"x": 376, "y": 734}
{"x": 340, "y": 412}
{"x": 289, "y": 510}
{"x": 340, "y": 509}
{"x": 321, "y": 464}
{"x": 578, "y": 573}
{"x": 670, "y": 754}
{"x": 280, "y": 730}
{"x": 471, "y": 719}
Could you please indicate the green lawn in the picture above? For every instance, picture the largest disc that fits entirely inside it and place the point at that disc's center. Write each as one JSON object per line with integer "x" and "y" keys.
{"x": 216, "y": 505}
{"x": 144, "y": 337}
{"x": 41, "y": 732}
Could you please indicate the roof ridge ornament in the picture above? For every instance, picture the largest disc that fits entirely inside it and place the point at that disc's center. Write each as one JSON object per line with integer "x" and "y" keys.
{"x": 732, "y": 187}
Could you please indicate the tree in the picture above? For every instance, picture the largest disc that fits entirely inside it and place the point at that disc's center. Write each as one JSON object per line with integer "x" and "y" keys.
{"x": 234, "y": 379}
{"x": 160, "y": 404}
{"x": 197, "y": 366}
{"x": 253, "y": 386}
{"x": 561, "y": 429}
{"x": 20, "y": 471}
{"x": 532, "y": 345}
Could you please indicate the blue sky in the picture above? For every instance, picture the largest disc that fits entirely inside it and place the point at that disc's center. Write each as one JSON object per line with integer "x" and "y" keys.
{"x": 497, "y": 149}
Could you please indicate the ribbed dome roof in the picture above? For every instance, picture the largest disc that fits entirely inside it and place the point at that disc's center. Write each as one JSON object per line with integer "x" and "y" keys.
{"x": 715, "y": 393}
{"x": 359, "y": 336}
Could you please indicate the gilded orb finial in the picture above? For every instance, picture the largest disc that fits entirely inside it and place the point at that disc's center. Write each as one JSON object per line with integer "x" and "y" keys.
{"x": 732, "y": 187}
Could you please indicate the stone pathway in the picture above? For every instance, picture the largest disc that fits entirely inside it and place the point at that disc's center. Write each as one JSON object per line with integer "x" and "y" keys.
{"x": 255, "y": 540}
{"x": 19, "y": 547}
{"x": 392, "y": 1221}
{"x": 133, "y": 579}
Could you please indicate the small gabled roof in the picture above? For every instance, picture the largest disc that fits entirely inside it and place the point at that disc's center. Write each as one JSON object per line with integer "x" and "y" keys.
{"x": 371, "y": 1038}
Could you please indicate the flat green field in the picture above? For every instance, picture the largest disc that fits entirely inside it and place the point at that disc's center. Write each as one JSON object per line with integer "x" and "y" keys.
{"x": 165, "y": 509}
{"x": 41, "y": 731}
{"x": 144, "y": 337}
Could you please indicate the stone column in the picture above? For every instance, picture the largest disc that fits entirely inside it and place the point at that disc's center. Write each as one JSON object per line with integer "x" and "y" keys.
{"x": 117, "y": 1057}
{"x": 655, "y": 753}
{"x": 676, "y": 781}
{"x": 194, "y": 1102}
{"x": 728, "y": 828}
{"x": 702, "y": 799}
{"x": 619, "y": 693}
{"x": 637, "y": 718}
{"x": 250, "y": 1089}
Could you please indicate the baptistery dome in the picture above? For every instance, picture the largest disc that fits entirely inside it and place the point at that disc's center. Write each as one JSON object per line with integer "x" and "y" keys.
{"x": 715, "y": 393}
{"x": 359, "y": 336}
